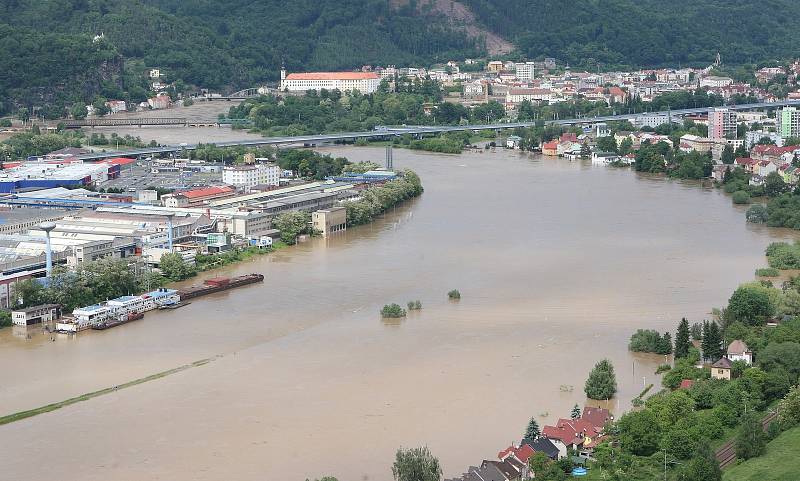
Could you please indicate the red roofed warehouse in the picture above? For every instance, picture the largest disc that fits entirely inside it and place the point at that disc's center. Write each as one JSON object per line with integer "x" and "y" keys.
{"x": 364, "y": 82}
{"x": 196, "y": 197}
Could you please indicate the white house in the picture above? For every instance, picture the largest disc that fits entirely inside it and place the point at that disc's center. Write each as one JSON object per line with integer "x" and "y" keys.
{"x": 738, "y": 351}
{"x": 604, "y": 158}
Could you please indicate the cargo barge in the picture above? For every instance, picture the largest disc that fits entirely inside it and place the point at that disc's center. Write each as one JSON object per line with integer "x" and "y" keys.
{"x": 218, "y": 284}
{"x": 108, "y": 324}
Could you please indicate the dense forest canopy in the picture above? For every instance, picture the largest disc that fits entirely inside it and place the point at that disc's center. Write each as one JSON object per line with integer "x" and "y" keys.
{"x": 645, "y": 32}
{"x": 212, "y": 44}
{"x": 49, "y": 58}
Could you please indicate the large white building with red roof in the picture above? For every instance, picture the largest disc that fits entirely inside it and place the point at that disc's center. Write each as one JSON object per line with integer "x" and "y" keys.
{"x": 364, "y": 82}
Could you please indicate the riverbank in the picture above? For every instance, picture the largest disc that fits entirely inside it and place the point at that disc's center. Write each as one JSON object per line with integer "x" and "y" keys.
{"x": 316, "y": 362}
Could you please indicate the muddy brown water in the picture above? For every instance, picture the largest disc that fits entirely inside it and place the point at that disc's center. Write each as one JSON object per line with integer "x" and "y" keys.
{"x": 557, "y": 262}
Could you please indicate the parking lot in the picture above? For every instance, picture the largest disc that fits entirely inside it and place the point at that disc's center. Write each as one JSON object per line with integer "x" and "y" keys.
{"x": 140, "y": 176}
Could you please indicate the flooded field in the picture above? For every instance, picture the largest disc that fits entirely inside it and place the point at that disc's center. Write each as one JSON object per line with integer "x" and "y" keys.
{"x": 557, "y": 263}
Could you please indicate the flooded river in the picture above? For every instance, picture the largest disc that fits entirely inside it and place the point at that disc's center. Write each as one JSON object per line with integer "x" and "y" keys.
{"x": 557, "y": 262}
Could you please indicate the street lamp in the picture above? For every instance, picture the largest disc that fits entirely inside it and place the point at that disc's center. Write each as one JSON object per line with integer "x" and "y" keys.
{"x": 48, "y": 249}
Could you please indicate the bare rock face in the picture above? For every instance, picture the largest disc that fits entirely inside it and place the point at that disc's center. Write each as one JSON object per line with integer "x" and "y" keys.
{"x": 461, "y": 17}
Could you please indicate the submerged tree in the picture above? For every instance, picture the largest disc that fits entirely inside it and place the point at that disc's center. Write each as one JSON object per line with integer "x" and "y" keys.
{"x": 417, "y": 464}
{"x": 602, "y": 382}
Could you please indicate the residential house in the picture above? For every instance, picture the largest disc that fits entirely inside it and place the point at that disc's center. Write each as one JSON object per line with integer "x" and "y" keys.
{"x": 571, "y": 432}
{"x": 766, "y": 167}
{"x": 597, "y": 417}
{"x": 721, "y": 369}
{"x": 748, "y": 164}
{"x": 115, "y": 106}
{"x": 508, "y": 469}
{"x": 773, "y": 153}
{"x": 691, "y": 143}
{"x": 789, "y": 173}
{"x": 543, "y": 445}
{"x": 550, "y": 148}
{"x": 738, "y": 351}
{"x": 160, "y": 101}
{"x": 604, "y": 158}
{"x": 494, "y": 66}
{"x": 521, "y": 453}
{"x": 513, "y": 141}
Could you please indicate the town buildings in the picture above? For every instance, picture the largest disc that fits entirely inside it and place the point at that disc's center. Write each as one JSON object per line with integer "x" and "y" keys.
{"x": 721, "y": 123}
{"x": 364, "y": 82}
{"x": 329, "y": 221}
{"x": 525, "y": 71}
{"x": 250, "y": 175}
{"x": 788, "y": 122}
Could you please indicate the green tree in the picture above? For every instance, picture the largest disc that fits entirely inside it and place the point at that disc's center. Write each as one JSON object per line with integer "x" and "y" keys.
{"x": 586, "y": 152}
{"x": 576, "y": 412}
{"x": 789, "y": 408}
{"x": 5, "y": 318}
{"x": 639, "y": 432}
{"x": 774, "y": 184}
{"x": 682, "y": 342}
{"x": 785, "y": 355}
{"x": 728, "y": 155}
{"x": 703, "y": 466}
{"x": 292, "y": 224}
{"x": 602, "y": 382}
{"x": 751, "y": 441}
{"x": 532, "y": 430}
{"x": 607, "y": 144}
{"x": 78, "y": 111}
{"x": 712, "y": 342}
{"x": 416, "y": 464}
{"x": 750, "y": 305}
{"x": 740, "y": 197}
{"x": 545, "y": 469}
{"x": 174, "y": 268}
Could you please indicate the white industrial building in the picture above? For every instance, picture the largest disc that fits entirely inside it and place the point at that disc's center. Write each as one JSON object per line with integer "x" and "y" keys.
{"x": 250, "y": 175}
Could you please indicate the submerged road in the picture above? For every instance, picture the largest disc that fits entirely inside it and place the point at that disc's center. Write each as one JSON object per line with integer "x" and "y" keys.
{"x": 415, "y": 130}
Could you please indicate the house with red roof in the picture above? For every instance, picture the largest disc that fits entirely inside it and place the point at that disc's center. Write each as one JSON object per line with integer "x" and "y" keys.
{"x": 747, "y": 163}
{"x": 521, "y": 453}
{"x": 597, "y": 417}
{"x": 550, "y": 148}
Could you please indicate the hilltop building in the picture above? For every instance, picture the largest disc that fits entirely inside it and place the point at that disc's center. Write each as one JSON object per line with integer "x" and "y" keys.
{"x": 364, "y": 82}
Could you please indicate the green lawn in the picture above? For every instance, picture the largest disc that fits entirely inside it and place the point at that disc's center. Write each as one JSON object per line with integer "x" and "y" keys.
{"x": 780, "y": 463}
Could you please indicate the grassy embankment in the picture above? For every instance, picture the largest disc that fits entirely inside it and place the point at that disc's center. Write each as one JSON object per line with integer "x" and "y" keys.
{"x": 780, "y": 463}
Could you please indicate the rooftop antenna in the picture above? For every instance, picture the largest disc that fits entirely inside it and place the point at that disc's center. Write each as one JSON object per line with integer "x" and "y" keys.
{"x": 48, "y": 249}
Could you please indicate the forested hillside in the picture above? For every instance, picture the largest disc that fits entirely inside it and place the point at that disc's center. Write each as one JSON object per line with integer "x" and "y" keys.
{"x": 48, "y": 58}
{"x": 645, "y": 32}
{"x": 209, "y": 43}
